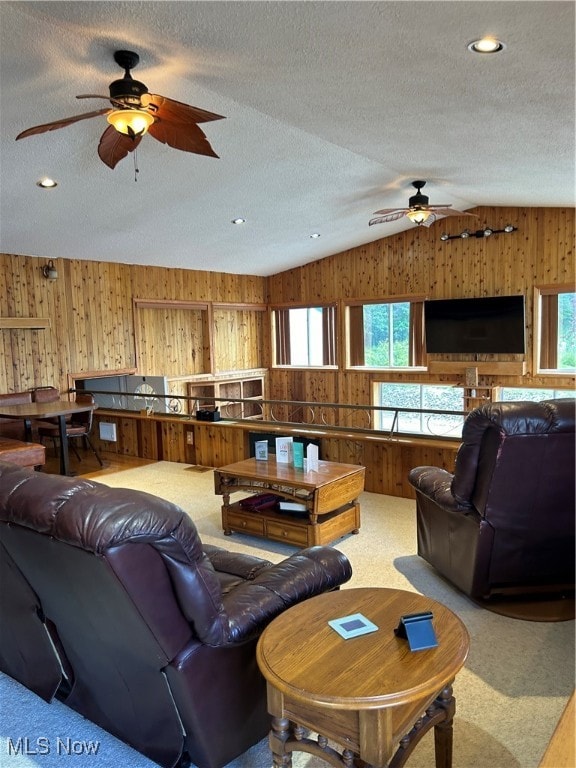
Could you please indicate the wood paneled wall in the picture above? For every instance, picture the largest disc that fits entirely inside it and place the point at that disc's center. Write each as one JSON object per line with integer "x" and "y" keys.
{"x": 417, "y": 262}
{"x": 234, "y": 330}
{"x": 92, "y": 325}
{"x": 90, "y": 306}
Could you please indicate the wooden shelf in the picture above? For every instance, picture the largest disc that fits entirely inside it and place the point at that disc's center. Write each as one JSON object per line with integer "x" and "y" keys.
{"x": 292, "y": 529}
{"x": 249, "y": 387}
{"x": 490, "y": 368}
{"x": 30, "y": 323}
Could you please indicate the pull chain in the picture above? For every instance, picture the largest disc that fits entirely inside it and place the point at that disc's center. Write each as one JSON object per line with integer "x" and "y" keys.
{"x": 136, "y": 169}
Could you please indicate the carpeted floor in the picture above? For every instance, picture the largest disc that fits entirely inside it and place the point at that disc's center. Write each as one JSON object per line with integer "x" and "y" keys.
{"x": 509, "y": 696}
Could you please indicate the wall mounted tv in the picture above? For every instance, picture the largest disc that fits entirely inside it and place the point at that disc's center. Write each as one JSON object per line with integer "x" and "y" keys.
{"x": 490, "y": 325}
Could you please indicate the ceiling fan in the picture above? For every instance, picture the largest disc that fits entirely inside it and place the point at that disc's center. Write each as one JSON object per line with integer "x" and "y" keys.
{"x": 135, "y": 112}
{"x": 419, "y": 210}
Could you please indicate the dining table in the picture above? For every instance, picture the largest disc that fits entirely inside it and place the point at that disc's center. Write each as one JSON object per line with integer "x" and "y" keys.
{"x": 59, "y": 409}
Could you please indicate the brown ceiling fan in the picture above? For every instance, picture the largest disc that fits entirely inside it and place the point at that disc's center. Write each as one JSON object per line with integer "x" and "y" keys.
{"x": 135, "y": 112}
{"x": 419, "y": 210}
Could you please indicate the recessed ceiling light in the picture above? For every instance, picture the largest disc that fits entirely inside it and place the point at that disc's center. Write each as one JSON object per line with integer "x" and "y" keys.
{"x": 46, "y": 183}
{"x": 486, "y": 45}
{"x": 238, "y": 221}
{"x": 315, "y": 234}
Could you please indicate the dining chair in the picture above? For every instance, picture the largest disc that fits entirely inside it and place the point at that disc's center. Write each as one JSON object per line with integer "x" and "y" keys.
{"x": 79, "y": 427}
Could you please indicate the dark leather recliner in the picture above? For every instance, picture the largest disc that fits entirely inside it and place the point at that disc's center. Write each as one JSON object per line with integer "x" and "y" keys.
{"x": 111, "y": 602}
{"x": 503, "y": 523}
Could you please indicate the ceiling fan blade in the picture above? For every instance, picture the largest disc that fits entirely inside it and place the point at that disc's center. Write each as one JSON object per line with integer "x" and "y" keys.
{"x": 185, "y": 136}
{"x": 385, "y": 211}
{"x": 167, "y": 109}
{"x": 61, "y": 123}
{"x": 446, "y": 211}
{"x": 92, "y": 96}
{"x": 114, "y": 146}
{"x": 430, "y": 220}
{"x": 386, "y": 219}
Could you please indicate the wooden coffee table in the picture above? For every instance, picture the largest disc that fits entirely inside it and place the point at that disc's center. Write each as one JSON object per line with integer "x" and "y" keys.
{"x": 369, "y": 695}
{"x": 329, "y": 494}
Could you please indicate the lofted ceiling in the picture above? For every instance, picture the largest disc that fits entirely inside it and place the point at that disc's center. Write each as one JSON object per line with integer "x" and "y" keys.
{"x": 332, "y": 109}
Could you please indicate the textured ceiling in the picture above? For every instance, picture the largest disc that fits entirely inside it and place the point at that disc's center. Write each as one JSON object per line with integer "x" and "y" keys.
{"x": 332, "y": 109}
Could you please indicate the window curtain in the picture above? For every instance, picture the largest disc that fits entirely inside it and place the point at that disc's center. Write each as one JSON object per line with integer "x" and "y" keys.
{"x": 356, "y": 326}
{"x": 549, "y": 331}
{"x": 282, "y": 336}
{"x": 416, "y": 341}
{"x": 329, "y": 335}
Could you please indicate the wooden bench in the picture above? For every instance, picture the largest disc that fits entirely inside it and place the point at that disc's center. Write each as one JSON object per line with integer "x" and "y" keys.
{"x": 21, "y": 453}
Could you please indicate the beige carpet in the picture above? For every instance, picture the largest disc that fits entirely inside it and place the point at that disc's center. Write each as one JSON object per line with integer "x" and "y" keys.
{"x": 517, "y": 678}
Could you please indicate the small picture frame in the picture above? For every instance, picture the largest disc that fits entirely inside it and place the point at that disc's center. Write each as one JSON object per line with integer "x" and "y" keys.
{"x": 261, "y": 451}
{"x": 352, "y": 626}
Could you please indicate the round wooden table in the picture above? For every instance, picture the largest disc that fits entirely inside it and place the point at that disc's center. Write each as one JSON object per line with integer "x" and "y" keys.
{"x": 370, "y": 695}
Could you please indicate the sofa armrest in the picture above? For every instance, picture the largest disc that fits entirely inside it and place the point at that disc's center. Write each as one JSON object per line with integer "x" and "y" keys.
{"x": 436, "y": 484}
{"x": 252, "y": 605}
{"x": 235, "y": 563}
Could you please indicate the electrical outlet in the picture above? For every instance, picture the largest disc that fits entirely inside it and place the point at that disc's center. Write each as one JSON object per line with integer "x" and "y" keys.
{"x": 190, "y": 438}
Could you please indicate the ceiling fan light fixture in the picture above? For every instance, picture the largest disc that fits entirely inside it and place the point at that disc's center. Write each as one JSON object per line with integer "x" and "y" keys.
{"x": 130, "y": 122}
{"x": 418, "y": 216}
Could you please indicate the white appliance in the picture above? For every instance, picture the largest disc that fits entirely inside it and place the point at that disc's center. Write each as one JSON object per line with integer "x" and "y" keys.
{"x": 147, "y": 392}
{"x": 130, "y": 393}
{"x": 116, "y": 385}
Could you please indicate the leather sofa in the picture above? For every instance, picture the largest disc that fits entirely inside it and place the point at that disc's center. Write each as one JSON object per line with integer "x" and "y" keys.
{"x": 503, "y": 523}
{"x": 111, "y": 603}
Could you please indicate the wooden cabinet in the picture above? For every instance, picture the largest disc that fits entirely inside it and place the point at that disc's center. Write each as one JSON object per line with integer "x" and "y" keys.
{"x": 214, "y": 391}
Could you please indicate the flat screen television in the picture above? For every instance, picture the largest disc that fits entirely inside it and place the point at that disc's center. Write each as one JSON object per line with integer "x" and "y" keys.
{"x": 490, "y": 325}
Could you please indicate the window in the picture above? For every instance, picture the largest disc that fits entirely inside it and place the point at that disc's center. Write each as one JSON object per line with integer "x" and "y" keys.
{"x": 386, "y": 335}
{"x": 305, "y": 336}
{"x": 424, "y": 398}
{"x": 533, "y": 394}
{"x": 556, "y": 324}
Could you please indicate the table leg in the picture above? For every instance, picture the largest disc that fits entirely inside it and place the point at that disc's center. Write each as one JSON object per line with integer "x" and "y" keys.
{"x": 440, "y": 716}
{"x": 64, "y": 458}
{"x": 443, "y": 730}
{"x": 279, "y": 735}
{"x": 28, "y": 430}
{"x": 225, "y": 507}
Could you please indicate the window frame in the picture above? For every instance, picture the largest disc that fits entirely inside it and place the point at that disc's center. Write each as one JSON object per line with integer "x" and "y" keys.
{"x": 350, "y": 334}
{"x": 280, "y": 344}
{"x": 539, "y": 317}
{"x": 422, "y": 385}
